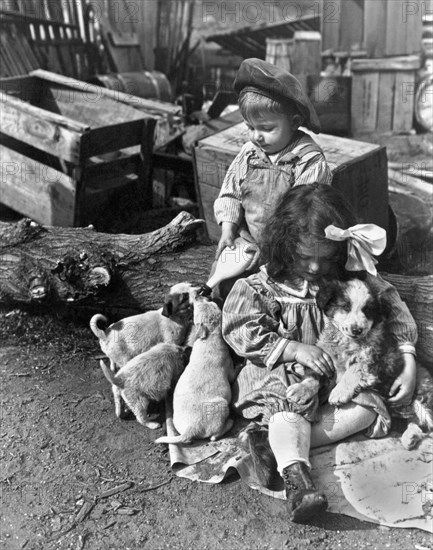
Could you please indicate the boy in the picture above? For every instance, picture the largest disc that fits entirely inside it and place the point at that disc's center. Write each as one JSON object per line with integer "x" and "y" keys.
{"x": 278, "y": 157}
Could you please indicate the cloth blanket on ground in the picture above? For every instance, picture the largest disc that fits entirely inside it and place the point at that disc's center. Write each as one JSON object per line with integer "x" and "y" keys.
{"x": 374, "y": 480}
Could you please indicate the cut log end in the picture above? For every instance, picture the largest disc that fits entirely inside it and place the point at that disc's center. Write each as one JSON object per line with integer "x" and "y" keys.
{"x": 186, "y": 219}
{"x": 98, "y": 277}
{"x": 38, "y": 288}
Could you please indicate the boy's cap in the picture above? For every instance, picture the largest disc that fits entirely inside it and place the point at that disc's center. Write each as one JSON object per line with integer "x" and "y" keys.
{"x": 278, "y": 84}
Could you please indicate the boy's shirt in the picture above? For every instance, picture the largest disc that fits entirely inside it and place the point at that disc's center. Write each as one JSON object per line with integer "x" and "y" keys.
{"x": 301, "y": 162}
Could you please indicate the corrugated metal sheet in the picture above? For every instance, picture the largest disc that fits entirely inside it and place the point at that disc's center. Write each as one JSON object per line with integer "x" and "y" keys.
{"x": 251, "y": 41}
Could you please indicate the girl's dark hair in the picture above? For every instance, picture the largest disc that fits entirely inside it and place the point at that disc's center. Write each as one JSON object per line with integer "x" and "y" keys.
{"x": 304, "y": 212}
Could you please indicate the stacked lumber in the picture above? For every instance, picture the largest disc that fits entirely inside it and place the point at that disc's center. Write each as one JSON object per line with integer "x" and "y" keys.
{"x": 45, "y": 35}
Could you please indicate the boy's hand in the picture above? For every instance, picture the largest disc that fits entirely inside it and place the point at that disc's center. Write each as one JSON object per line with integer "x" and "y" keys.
{"x": 253, "y": 251}
{"x": 314, "y": 358}
{"x": 228, "y": 235}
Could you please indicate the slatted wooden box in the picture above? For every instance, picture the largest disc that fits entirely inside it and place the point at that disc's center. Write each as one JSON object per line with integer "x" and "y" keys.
{"x": 359, "y": 172}
{"x": 67, "y": 148}
{"x": 383, "y": 94}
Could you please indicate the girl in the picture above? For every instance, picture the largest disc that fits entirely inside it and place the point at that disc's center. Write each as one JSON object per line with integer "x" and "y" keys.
{"x": 271, "y": 318}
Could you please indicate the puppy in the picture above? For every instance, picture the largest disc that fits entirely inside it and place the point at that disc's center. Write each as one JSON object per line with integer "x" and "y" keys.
{"x": 131, "y": 336}
{"x": 148, "y": 377}
{"x": 366, "y": 356}
{"x": 202, "y": 395}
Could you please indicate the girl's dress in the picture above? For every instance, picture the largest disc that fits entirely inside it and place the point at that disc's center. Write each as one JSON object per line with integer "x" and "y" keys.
{"x": 260, "y": 317}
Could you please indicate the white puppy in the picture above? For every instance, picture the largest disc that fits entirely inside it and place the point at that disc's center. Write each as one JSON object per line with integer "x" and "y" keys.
{"x": 202, "y": 396}
{"x": 131, "y": 336}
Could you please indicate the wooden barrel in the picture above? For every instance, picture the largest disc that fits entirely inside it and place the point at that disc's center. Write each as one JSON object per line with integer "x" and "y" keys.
{"x": 146, "y": 84}
{"x": 279, "y": 51}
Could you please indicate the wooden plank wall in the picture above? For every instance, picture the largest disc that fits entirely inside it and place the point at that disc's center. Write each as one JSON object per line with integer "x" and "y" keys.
{"x": 45, "y": 34}
{"x": 82, "y": 38}
{"x": 376, "y": 28}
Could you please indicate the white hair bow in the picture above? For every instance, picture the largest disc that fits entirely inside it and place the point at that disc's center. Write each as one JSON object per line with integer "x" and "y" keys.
{"x": 363, "y": 241}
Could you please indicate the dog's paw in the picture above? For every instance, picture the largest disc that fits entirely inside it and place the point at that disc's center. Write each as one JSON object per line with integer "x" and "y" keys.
{"x": 152, "y": 425}
{"x": 369, "y": 381}
{"x": 412, "y": 436}
{"x": 299, "y": 393}
{"x": 340, "y": 395}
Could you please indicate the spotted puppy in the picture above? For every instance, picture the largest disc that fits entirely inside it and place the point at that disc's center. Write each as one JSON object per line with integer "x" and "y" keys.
{"x": 366, "y": 356}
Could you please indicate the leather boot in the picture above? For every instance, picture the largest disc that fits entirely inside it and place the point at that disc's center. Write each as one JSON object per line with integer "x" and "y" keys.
{"x": 255, "y": 440}
{"x": 303, "y": 499}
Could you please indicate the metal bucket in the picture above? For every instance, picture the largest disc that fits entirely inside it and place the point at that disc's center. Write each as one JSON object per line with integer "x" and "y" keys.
{"x": 146, "y": 84}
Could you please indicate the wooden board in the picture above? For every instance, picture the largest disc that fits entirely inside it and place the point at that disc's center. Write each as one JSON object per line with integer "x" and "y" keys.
{"x": 378, "y": 28}
{"x": 365, "y": 89}
{"x": 360, "y": 172}
{"x": 393, "y": 28}
{"x": 331, "y": 17}
{"x": 352, "y": 27}
{"x": 386, "y": 101}
{"x": 404, "y": 101}
{"x": 149, "y": 105}
{"x": 47, "y": 132}
{"x": 34, "y": 189}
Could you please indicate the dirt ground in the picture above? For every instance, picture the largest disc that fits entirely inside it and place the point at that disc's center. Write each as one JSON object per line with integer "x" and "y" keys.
{"x": 63, "y": 450}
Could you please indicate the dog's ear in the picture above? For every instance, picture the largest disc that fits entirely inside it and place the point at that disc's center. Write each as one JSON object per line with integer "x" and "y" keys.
{"x": 167, "y": 308}
{"x": 325, "y": 294}
{"x": 201, "y": 331}
{"x": 175, "y": 303}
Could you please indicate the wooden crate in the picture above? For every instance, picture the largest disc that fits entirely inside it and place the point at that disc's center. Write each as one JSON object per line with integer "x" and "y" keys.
{"x": 383, "y": 94}
{"x": 375, "y": 28}
{"x": 68, "y": 147}
{"x": 360, "y": 173}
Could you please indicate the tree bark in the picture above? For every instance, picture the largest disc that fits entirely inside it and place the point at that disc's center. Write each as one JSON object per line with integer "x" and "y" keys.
{"x": 98, "y": 271}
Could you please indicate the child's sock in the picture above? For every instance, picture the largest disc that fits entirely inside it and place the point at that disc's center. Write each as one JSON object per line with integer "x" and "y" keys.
{"x": 289, "y": 437}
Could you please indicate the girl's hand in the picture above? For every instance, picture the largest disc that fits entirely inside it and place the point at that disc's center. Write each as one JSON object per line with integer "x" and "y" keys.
{"x": 228, "y": 235}
{"x": 401, "y": 391}
{"x": 315, "y": 358}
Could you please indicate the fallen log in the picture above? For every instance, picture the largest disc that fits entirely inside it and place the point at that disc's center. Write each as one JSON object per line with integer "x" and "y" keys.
{"x": 100, "y": 271}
